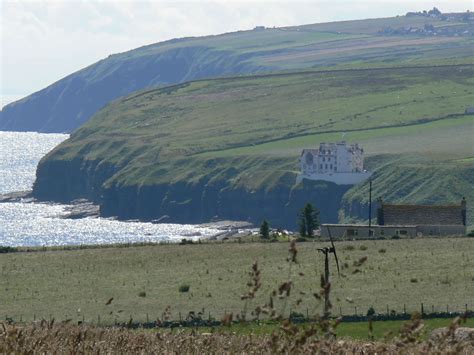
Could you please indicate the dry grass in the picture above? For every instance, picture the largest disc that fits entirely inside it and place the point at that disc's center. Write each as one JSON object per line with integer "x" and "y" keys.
{"x": 46, "y": 337}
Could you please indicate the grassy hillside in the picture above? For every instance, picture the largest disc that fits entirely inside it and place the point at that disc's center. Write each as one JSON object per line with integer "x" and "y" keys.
{"x": 68, "y": 103}
{"x": 245, "y": 134}
{"x": 146, "y": 280}
{"x": 212, "y": 116}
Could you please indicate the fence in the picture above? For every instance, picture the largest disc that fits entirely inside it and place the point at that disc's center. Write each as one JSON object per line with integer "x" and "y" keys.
{"x": 192, "y": 319}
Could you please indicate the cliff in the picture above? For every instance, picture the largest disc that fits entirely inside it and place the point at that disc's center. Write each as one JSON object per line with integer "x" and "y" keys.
{"x": 214, "y": 195}
{"x": 70, "y": 102}
{"x": 228, "y": 148}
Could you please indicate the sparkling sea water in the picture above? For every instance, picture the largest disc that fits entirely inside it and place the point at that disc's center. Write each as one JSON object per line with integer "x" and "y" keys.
{"x": 40, "y": 224}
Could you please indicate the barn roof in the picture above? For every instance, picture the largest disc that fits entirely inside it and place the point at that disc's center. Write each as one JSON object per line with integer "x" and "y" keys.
{"x": 423, "y": 215}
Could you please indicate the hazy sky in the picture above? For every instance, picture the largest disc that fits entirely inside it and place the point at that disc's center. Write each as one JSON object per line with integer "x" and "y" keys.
{"x": 44, "y": 40}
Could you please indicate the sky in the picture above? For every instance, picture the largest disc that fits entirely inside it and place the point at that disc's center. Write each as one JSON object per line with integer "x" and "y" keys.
{"x": 42, "y": 41}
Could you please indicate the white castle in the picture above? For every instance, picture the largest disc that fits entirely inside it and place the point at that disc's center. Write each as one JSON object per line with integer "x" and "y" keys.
{"x": 339, "y": 163}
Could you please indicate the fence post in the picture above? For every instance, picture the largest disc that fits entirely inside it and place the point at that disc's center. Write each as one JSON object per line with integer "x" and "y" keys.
{"x": 98, "y": 319}
{"x": 340, "y": 311}
{"x": 355, "y": 310}
{"x": 422, "y": 309}
{"x": 405, "y": 308}
{"x": 432, "y": 309}
{"x": 388, "y": 313}
{"x": 147, "y": 320}
{"x": 466, "y": 307}
{"x": 447, "y": 308}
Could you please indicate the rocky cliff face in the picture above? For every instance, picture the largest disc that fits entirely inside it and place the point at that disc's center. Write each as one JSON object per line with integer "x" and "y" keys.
{"x": 199, "y": 203}
{"x": 184, "y": 202}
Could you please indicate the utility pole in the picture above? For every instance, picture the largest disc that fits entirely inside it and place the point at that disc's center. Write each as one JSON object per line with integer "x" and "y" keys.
{"x": 327, "y": 286}
{"x": 370, "y": 204}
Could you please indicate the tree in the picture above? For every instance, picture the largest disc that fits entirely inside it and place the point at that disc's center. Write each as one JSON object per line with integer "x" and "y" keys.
{"x": 265, "y": 230}
{"x": 308, "y": 220}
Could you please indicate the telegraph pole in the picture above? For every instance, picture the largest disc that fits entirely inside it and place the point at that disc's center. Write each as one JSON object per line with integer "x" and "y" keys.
{"x": 370, "y": 203}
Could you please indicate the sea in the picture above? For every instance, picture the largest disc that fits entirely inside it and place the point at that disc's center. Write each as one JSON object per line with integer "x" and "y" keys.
{"x": 29, "y": 223}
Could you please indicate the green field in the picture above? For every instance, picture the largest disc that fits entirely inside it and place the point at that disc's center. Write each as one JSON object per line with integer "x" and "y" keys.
{"x": 327, "y": 45}
{"x": 211, "y": 116}
{"x": 143, "y": 281}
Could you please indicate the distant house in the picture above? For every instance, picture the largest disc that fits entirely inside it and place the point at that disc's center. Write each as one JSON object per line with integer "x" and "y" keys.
{"x": 406, "y": 220}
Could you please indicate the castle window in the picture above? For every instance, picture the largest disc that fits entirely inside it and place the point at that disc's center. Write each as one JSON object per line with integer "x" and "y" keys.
{"x": 320, "y": 166}
{"x": 326, "y": 166}
{"x": 324, "y": 159}
{"x": 330, "y": 166}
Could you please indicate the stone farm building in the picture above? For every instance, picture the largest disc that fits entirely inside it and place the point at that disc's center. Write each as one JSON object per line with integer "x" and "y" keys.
{"x": 406, "y": 220}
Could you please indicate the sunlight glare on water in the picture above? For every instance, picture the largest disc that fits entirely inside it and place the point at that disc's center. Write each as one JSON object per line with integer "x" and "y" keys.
{"x": 40, "y": 224}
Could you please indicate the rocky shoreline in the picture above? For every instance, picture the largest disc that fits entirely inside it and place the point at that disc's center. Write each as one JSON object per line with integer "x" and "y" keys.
{"x": 80, "y": 208}
{"x": 83, "y": 208}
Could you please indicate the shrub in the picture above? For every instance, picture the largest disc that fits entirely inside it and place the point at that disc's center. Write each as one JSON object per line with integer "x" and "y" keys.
{"x": 184, "y": 288}
{"x": 6, "y": 249}
{"x": 370, "y": 311}
{"x": 142, "y": 294}
{"x": 363, "y": 247}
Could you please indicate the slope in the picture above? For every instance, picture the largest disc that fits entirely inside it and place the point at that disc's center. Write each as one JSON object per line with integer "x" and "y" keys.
{"x": 228, "y": 148}
{"x": 68, "y": 103}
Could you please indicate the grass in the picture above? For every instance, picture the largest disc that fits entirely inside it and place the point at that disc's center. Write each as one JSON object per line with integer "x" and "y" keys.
{"x": 144, "y": 281}
{"x": 216, "y": 115}
{"x": 326, "y": 44}
{"x": 438, "y": 139}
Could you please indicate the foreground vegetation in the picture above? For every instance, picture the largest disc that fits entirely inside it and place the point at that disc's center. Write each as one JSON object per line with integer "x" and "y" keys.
{"x": 151, "y": 282}
{"x": 47, "y": 337}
